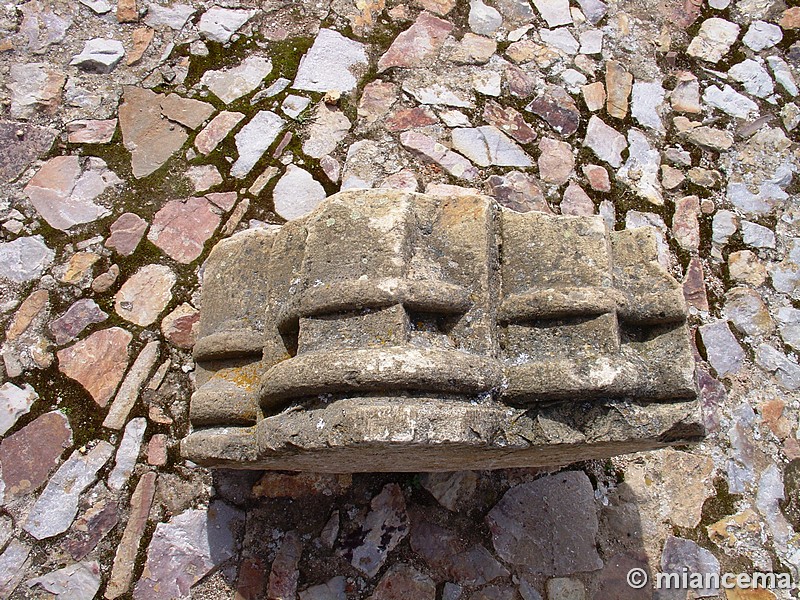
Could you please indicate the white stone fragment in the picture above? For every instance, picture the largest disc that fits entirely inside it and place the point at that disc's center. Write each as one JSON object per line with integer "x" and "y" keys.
{"x": 333, "y": 64}
{"x": 554, "y": 12}
{"x": 592, "y": 41}
{"x": 127, "y": 453}
{"x": 635, "y": 219}
{"x": 757, "y": 236}
{"x": 254, "y": 139}
{"x": 573, "y": 80}
{"x": 174, "y": 16}
{"x": 724, "y": 352}
{"x": 99, "y": 55}
{"x": 14, "y": 402}
{"x": 593, "y": 10}
{"x": 219, "y": 24}
{"x": 101, "y": 7}
{"x": 57, "y": 506}
{"x": 487, "y": 83}
{"x": 646, "y": 100}
{"x": 231, "y": 84}
{"x": 488, "y": 145}
{"x": 24, "y": 259}
{"x": 561, "y": 39}
{"x": 483, "y": 19}
{"x": 754, "y": 77}
{"x": 297, "y": 193}
{"x": 606, "y": 142}
{"x": 437, "y": 94}
{"x": 762, "y": 35}
{"x": 724, "y": 224}
{"x": 715, "y": 38}
{"x": 640, "y": 171}
{"x": 783, "y": 74}
{"x": 730, "y": 101}
{"x": 293, "y": 105}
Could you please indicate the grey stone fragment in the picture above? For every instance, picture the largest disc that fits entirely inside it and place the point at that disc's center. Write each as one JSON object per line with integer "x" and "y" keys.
{"x": 565, "y": 588}
{"x": 594, "y": 10}
{"x": 56, "y": 507}
{"x": 333, "y": 64}
{"x": 6, "y": 530}
{"x": 99, "y": 55}
{"x": 254, "y": 139}
{"x": 757, "y": 235}
{"x": 297, "y": 193}
{"x": 129, "y": 390}
{"x": 21, "y": 144}
{"x": 24, "y": 259}
{"x": 789, "y": 325}
{"x": 483, "y": 19}
{"x": 786, "y": 371}
{"x": 606, "y": 142}
{"x": 452, "y": 162}
{"x": 452, "y": 591}
{"x": 80, "y": 581}
{"x": 185, "y": 549}
{"x": 451, "y": 489}
{"x": 174, "y": 16}
{"x": 384, "y": 528}
{"x": 548, "y": 525}
{"x": 333, "y": 589}
{"x": 13, "y": 565}
{"x": 233, "y": 83}
{"x": 680, "y": 556}
{"x": 127, "y": 453}
{"x": 724, "y": 352}
{"x": 219, "y": 24}
{"x": 488, "y": 145}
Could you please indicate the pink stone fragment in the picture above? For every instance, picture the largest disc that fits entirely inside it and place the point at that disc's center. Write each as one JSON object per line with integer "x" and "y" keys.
{"x": 98, "y": 362}
{"x": 126, "y": 233}
{"x": 182, "y": 227}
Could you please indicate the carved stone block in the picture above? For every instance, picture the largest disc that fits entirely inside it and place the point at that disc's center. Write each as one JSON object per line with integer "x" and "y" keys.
{"x": 391, "y": 331}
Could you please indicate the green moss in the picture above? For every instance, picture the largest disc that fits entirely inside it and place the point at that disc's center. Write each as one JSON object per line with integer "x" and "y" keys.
{"x": 791, "y": 505}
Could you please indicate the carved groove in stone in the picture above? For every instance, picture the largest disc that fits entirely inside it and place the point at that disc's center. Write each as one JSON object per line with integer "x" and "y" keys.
{"x": 403, "y": 332}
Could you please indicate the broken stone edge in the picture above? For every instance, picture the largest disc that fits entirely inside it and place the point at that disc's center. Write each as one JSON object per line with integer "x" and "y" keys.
{"x": 350, "y": 430}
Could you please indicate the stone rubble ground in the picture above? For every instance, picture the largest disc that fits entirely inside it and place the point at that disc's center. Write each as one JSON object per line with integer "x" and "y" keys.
{"x": 135, "y": 135}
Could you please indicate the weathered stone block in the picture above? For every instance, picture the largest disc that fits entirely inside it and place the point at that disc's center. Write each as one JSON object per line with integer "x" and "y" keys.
{"x": 393, "y": 331}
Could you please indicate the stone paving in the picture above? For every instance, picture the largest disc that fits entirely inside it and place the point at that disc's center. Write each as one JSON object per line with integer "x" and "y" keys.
{"x": 134, "y": 135}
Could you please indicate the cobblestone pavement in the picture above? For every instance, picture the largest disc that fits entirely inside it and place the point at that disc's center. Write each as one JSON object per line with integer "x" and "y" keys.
{"x": 135, "y": 135}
